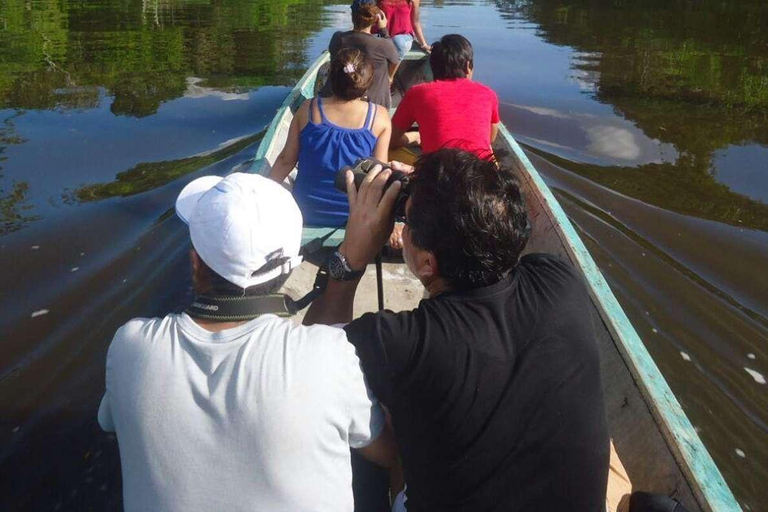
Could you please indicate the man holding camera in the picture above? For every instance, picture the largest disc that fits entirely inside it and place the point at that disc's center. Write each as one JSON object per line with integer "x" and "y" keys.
{"x": 493, "y": 382}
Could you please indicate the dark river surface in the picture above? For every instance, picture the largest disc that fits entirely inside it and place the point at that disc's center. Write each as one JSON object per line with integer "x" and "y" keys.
{"x": 648, "y": 118}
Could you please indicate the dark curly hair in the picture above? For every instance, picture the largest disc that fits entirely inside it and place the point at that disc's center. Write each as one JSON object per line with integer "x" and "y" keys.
{"x": 470, "y": 214}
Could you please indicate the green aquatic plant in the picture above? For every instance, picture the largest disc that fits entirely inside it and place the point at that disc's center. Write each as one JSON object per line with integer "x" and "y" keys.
{"x": 14, "y": 207}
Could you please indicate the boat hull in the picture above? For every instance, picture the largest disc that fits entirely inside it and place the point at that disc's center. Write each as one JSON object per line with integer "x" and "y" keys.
{"x": 653, "y": 438}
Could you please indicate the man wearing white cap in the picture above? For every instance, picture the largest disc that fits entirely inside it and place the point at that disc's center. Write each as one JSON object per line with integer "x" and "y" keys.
{"x": 228, "y": 406}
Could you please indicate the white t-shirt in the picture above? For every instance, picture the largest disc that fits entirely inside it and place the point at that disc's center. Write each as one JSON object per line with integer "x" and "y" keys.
{"x": 258, "y": 417}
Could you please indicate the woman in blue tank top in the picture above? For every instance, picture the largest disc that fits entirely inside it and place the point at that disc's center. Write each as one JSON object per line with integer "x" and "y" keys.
{"x": 327, "y": 134}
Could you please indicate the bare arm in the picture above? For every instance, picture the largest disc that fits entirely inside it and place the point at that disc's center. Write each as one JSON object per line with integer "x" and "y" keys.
{"x": 381, "y": 20}
{"x": 401, "y": 138}
{"x": 384, "y": 452}
{"x": 368, "y": 227}
{"x": 286, "y": 160}
{"x": 494, "y": 131}
{"x": 404, "y": 116}
{"x": 398, "y": 138}
{"x": 383, "y": 131}
{"x": 416, "y": 22}
{"x": 392, "y": 70}
{"x": 334, "y": 306}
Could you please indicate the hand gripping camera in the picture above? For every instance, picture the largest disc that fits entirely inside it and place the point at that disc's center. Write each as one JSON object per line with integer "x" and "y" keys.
{"x": 361, "y": 168}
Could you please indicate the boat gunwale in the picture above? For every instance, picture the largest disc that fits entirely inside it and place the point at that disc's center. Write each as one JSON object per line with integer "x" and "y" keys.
{"x": 701, "y": 472}
{"x": 694, "y": 460}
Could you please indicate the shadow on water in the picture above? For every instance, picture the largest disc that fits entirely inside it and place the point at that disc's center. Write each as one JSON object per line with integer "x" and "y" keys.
{"x": 133, "y": 262}
{"x": 108, "y": 109}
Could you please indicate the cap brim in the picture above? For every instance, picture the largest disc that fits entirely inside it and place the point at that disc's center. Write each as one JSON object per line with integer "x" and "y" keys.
{"x": 191, "y": 194}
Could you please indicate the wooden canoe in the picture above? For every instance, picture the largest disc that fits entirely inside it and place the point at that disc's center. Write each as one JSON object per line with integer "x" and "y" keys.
{"x": 654, "y": 440}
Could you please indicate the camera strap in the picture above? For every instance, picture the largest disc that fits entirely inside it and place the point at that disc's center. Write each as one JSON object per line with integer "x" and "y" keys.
{"x": 235, "y": 309}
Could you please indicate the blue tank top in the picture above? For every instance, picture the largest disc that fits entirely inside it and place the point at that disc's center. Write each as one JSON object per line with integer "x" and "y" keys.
{"x": 324, "y": 149}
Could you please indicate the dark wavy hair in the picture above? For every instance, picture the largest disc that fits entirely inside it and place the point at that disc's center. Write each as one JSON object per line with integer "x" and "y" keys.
{"x": 450, "y": 56}
{"x": 470, "y": 214}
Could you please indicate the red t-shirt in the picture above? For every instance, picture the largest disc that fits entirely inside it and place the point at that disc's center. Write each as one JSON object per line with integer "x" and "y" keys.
{"x": 455, "y": 113}
{"x": 398, "y": 13}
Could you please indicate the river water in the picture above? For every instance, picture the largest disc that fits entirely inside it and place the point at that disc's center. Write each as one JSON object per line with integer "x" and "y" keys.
{"x": 649, "y": 119}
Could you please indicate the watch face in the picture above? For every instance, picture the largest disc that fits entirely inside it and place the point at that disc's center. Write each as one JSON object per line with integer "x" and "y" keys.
{"x": 336, "y": 267}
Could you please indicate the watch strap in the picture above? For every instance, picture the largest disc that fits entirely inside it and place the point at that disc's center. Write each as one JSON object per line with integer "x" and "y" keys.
{"x": 347, "y": 273}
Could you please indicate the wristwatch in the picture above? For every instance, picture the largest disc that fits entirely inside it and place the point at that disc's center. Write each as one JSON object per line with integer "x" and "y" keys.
{"x": 339, "y": 269}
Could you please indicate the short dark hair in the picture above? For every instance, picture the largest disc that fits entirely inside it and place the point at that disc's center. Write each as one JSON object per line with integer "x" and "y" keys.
{"x": 470, "y": 214}
{"x": 450, "y": 56}
{"x": 350, "y": 83}
{"x": 213, "y": 284}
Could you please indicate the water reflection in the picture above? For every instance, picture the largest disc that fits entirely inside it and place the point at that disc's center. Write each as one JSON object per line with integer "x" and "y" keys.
{"x": 14, "y": 205}
{"x": 683, "y": 186}
{"x": 655, "y": 143}
{"x": 693, "y": 86}
{"x": 58, "y": 54}
{"x": 108, "y": 109}
{"x": 647, "y": 118}
{"x": 148, "y": 176}
{"x": 743, "y": 169}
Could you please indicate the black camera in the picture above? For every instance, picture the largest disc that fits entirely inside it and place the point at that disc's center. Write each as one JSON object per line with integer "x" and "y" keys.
{"x": 361, "y": 168}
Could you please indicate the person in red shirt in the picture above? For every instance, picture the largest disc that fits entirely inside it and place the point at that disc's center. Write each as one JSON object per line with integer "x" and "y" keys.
{"x": 453, "y": 111}
{"x": 404, "y": 21}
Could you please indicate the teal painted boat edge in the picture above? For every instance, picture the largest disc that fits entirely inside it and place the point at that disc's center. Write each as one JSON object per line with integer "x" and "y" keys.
{"x": 310, "y": 234}
{"x": 703, "y": 475}
{"x": 260, "y": 164}
{"x": 302, "y": 90}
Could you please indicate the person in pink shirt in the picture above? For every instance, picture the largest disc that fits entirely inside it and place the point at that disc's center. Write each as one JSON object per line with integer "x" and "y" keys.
{"x": 404, "y": 24}
{"x": 453, "y": 111}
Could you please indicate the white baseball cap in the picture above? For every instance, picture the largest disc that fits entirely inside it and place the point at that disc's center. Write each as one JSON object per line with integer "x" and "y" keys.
{"x": 240, "y": 223}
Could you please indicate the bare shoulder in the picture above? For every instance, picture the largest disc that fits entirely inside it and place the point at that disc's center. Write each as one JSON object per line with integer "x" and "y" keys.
{"x": 382, "y": 121}
{"x": 303, "y": 110}
{"x": 302, "y": 114}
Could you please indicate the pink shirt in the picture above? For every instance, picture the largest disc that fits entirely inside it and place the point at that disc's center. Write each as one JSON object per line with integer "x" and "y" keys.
{"x": 454, "y": 113}
{"x": 398, "y": 15}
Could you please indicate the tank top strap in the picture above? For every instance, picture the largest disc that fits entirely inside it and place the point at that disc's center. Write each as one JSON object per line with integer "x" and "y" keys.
{"x": 370, "y": 117}
{"x": 323, "y": 119}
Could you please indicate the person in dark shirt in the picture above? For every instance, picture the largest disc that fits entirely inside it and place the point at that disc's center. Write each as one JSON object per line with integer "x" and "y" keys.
{"x": 380, "y": 51}
{"x": 493, "y": 382}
